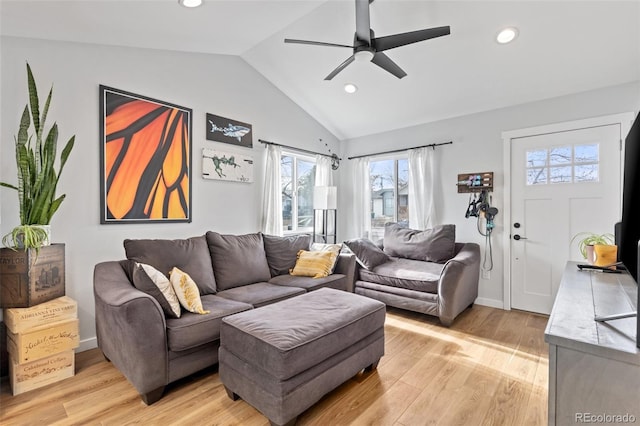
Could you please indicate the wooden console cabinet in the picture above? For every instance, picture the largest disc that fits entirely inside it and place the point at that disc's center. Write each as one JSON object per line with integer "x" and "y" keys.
{"x": 594, "y": 367}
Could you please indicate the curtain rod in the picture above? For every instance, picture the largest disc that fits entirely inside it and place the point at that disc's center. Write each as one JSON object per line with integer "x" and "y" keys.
{"x": 299, "y": 149}
{"x": 432, "y": 145}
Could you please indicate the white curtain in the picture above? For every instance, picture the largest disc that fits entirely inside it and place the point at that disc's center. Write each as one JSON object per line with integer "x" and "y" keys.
{"x": 422, "y": 214}
{"x": 361, "y": 198}
{"x": 324, "y": 175}
{"x": 272, "y": 201}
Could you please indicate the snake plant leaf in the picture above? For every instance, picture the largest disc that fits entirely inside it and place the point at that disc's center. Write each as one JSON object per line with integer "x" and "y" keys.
{"x": 56, "y": 203}
{"x": 65, "y": 153}
{"x": 45, "y": 111}
{"x": 23, "y": 130}
{"x": 8, "y": 185}
{"x": 33, "y": 99}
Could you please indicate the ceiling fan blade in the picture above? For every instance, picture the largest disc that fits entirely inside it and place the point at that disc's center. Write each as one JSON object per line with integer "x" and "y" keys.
{"x": 397, "y": 40}
{"x": 341, "y": 67}
{"x": 384, "y": 62}
{"x": 363, "y": 22}
{"x": 315, "y": 43}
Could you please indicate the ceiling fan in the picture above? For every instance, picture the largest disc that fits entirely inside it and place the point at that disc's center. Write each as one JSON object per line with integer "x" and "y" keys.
{"x": 368, "y": 47}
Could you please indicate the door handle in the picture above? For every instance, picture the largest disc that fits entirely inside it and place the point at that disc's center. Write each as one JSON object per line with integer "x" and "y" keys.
{"x": 518, "y": 237}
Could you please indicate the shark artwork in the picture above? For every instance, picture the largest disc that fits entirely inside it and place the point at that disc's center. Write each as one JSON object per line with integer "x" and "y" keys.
{"x": 231, "y": 130}
{"x": 226, "y": 130}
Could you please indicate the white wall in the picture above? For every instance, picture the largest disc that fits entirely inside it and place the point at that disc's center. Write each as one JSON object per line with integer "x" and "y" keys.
{"x": 218, "y": 84}
{"x": 478, "y": 147}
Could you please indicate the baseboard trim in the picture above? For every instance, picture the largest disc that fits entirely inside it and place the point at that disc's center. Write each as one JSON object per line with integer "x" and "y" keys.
{"x": 87, "y": 344}
{"x": 492, "y": 303}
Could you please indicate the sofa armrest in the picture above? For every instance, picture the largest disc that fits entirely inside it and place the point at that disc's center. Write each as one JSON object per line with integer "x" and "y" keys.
{"x": 130, "y": 328}
{"x": 458, "y": 284}
{"x": 346, "y": 265}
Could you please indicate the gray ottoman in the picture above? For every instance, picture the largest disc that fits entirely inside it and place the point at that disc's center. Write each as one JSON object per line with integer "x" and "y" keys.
{"x": 282, "y": 358}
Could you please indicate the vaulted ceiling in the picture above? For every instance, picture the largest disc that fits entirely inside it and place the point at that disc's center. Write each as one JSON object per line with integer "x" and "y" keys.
{"x": 563, "y": 47}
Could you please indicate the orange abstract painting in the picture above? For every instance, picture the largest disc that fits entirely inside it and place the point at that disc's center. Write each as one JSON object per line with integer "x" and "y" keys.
{"x": 146, "y": 159}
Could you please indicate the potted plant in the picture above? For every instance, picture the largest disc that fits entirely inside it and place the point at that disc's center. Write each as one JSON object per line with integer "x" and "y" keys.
{"x": 586, "y": 241}
{"x": 35, "y": 152}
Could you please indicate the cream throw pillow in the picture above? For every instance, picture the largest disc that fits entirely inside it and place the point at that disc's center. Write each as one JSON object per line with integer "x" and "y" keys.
{"x": 316, "y": 264}
{"x": 187, "y": 291}
{"x": 334, "y": 248}
{"x": 164, "y": 285}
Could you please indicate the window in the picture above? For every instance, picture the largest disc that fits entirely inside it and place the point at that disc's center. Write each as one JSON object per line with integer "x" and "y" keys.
{"x": 389, "y": 182}
{"x": 563, "y": 164}
{"x": 298, "y": 176}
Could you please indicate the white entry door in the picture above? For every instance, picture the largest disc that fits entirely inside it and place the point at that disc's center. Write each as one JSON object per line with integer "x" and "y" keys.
{"x": 562, "y": 183}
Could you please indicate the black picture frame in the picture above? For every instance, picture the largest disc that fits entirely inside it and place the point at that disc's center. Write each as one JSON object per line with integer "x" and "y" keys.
{"x": 145, "y": 159}
{"x": 227, "y": 130}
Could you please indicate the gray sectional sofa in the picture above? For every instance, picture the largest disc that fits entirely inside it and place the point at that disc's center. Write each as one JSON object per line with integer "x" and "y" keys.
{"x": 234, "y": 273}
{"x": 423, "y": 271}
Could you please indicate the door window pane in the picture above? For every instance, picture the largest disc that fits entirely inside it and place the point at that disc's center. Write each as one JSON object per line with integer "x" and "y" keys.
{"x": 560, "y": 155}
{"x": 536, "y": 176}
{"x": 537, "y": 158}
{"x": 560, "y": 174}
{"x": 587, "y": 153}
{"x": 587, "y": 173}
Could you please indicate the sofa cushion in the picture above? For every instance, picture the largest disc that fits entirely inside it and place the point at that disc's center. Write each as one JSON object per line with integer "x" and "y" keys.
{"x": 406, "y": 273}
{"x": 316, "y": 264}
{"x": 192, "y": 330}
{"x": 153, "y": 282}
{"x": 190, "y": 255}
{"x": 187, "y": 291}
{"x": 368, "y": 254}
{"x": 432, "y": 245}
{"x": 238, "y": 259}
{"x": 282, "y": 251}
{"x": 337, "y": 281}
{"x": 260, "y": 294}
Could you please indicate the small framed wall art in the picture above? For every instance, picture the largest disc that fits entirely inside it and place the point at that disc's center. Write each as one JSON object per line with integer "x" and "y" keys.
{"x": 226, "y": 130}
{"x": 222, "y": 165}
{"x": 145, "y": 159}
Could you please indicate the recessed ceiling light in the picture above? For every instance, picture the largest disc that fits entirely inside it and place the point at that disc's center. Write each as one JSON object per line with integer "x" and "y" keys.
{"x": 190, "y": 3}
{"x": 350, "y": 88}
{"x": 507, "y": 35}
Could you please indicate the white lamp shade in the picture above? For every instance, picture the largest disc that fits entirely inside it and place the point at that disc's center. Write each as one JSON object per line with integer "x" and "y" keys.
{"x": 325, "y": 197}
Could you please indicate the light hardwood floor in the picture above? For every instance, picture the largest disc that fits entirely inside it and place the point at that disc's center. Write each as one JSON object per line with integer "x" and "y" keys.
{"x": 489, "y": 368}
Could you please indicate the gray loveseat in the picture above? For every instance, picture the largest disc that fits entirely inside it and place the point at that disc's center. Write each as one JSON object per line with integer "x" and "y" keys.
{"x": 422, "y": 271}
{"x": 234, "y": 273}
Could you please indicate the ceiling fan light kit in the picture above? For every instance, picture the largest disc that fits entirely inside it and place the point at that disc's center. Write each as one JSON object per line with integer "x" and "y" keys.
{"x": 367, "y": 47}
{"x": 364, "y": 56}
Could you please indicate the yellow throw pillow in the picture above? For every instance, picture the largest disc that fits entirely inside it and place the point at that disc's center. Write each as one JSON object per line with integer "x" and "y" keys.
{"x": 187, "y": 291}
{"x": 316, "y": 264}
